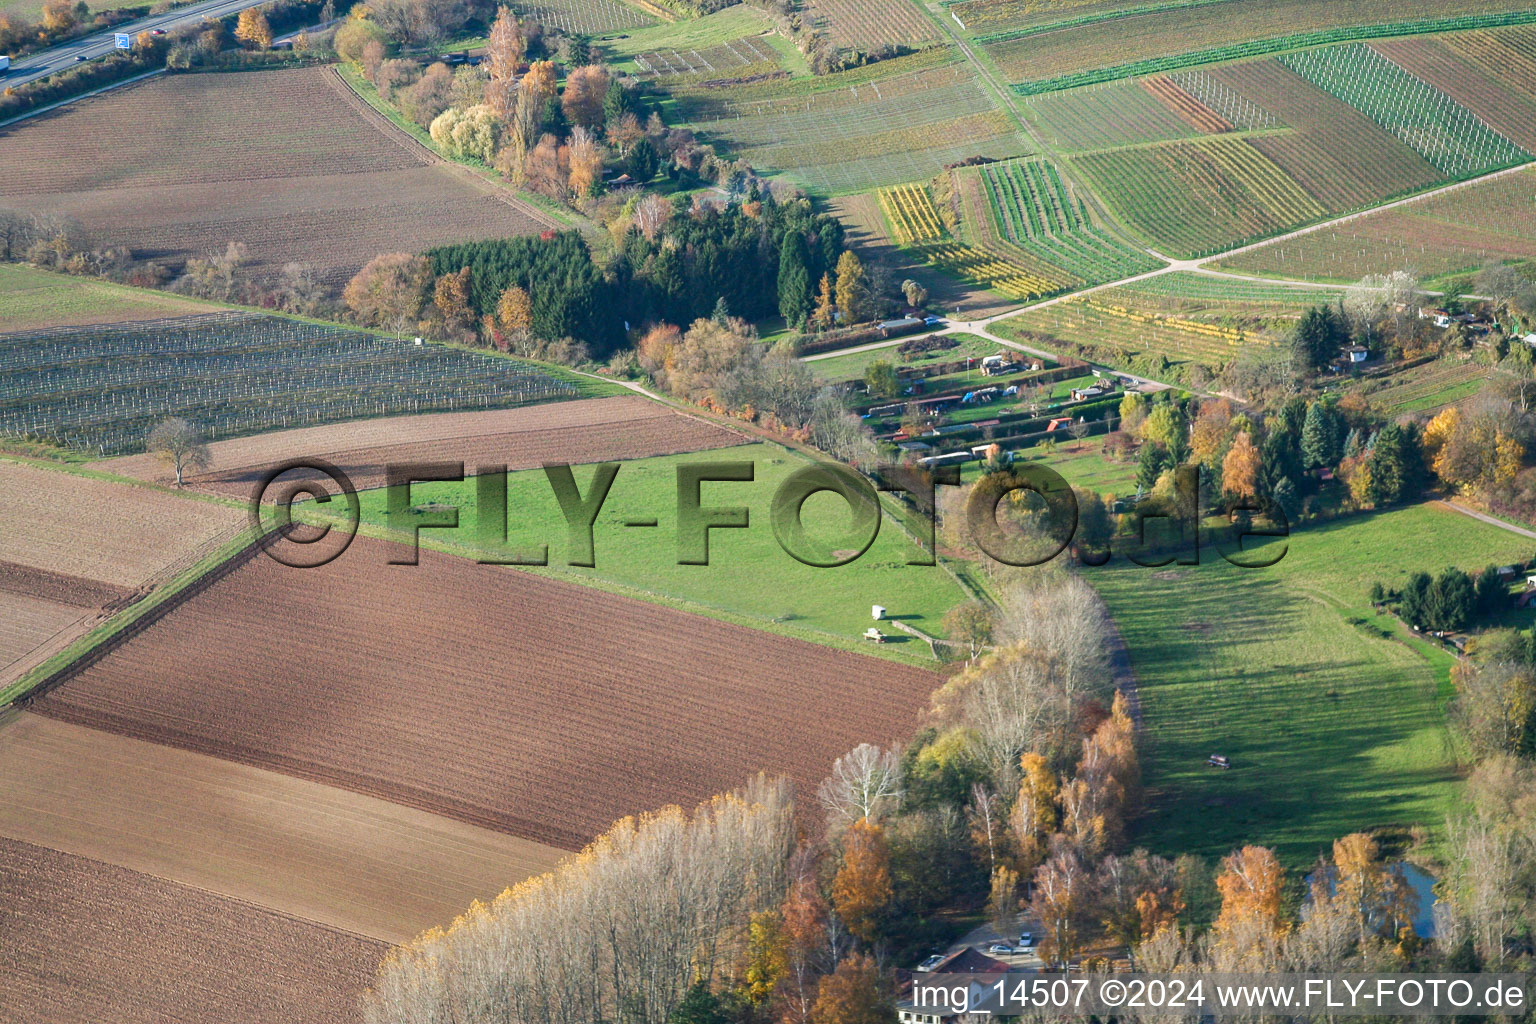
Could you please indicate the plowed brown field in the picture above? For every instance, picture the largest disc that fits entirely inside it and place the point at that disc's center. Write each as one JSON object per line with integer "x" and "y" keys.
{"x": 73, "y": 548}
{"x": 496, "y": 696}
{"x": 87, "y": 942}
{"x": 593, "y": 430}
{"x": 324, "y": 854}
{"x": 291, "y": 163}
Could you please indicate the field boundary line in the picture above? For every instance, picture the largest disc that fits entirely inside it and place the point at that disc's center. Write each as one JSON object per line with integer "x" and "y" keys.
{"x": 430, "y": 157}
{"x": 131, "y": 621}
{"x": 1484, "y": 517}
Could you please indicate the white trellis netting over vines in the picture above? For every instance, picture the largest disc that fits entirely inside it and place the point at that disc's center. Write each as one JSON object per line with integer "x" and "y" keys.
{"x": 1441, "y": 130}
{"x": 100, "y": 389}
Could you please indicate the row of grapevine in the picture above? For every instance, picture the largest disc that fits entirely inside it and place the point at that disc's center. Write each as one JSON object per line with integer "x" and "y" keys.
{"x": 1441, "y": 130}
{"x": 911, "y": 214}
{"x": 99, "y": 389}
{"x": 1035, "y": 211}
{"x": 1234, "y": 108}
{"x": 915, "y": 222}
{"x": 1105, "y": 326}
{"x": 1263, "y": 179}
{"x": 1278, "y": 44}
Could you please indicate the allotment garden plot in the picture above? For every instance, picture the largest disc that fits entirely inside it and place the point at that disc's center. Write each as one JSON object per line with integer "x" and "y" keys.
{"x": 100, "y": 390}
{"x": 898, "y": 120}
{"x": 540, "y": 708}
{"x": 288, "y": 163}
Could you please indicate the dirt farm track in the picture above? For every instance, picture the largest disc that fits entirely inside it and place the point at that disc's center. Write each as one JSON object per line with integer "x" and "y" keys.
{"x": 290, "y": 163}
{"x": 88, "y": 943}
{"x": 495, "y": 696}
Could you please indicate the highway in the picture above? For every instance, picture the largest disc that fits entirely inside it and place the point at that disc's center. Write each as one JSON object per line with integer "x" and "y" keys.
{"x": 99, "y": 44}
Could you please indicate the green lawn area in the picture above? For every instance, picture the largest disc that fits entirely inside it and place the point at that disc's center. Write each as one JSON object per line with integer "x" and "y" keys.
{"x": 749, "y": 578}
{"x": 32, "y": 299}
{"x": 1081, "y": 463}
{"x": 853, "y": 365}
{"x": 1331, "y": 728}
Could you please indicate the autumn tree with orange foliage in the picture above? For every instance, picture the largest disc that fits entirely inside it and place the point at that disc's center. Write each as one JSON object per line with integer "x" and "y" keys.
{"x": 585, "y": 155}
{"x": 1251, "y": 924}
{"x": 253, "y": 30}
{"x": 506, "y": 47}
{"x": 1107, "y": 786}
{"x": 450, "y": 301}
{"x": 804, "y": 930}
{"x": 854, "y": 994}
{"x": 1034, "y": 815}
{"x": 1208, "y": 434}
{"x": 389, "y": 291}
{"x": 1240, "y": 468}
{"x": 514, "y": 310}
{"x": 861, "y": 892}
{"x": 582, "y": 100}
{"x": 1061, "y": 902}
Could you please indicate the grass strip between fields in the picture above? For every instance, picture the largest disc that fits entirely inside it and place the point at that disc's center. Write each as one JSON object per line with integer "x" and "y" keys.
{"x": 138, "y": 612}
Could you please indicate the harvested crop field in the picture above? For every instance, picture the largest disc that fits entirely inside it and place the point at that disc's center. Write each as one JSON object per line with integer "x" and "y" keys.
{"x": 353, "y": 862}
{"x": 290, "y": 163}
{"x": 87, "y": 942}
{"x": 496, "y": 696}
{"x": 111, "y": 533}
{"x": 591, "y": 430}
{"x": 74, "y": 549}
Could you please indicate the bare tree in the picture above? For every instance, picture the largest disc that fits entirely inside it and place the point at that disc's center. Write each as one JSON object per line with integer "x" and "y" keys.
{"x": 1061, "y": 615}
{"x": 179, "y": 445}
{"x": 1014, "y": 701}
{"x": 863, "y": 784}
